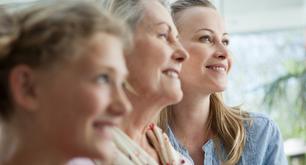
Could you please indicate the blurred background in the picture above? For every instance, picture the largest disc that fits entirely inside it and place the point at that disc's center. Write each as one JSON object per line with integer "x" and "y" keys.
{"x": 269, "y": 72}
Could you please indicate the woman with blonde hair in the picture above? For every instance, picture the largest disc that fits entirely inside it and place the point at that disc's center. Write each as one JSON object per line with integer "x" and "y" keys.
{"x": 201, "y": 126}
{"x": 61, "y": 75}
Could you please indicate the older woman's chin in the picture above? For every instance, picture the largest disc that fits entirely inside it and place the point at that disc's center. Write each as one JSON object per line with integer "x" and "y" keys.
{"x": 175, "y": 96}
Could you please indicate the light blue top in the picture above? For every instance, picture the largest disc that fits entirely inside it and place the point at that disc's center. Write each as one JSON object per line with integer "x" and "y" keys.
{"x": 263, "y": 146}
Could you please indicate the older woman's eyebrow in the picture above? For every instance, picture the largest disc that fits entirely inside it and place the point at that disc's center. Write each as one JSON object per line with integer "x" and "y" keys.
{"x": 163, "y": 23}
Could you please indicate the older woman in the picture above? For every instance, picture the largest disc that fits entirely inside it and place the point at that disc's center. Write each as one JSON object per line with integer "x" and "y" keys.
{"x": 201, "y": 126}
{"x": 61, "y": 75}
{"x": 153, "y": 83}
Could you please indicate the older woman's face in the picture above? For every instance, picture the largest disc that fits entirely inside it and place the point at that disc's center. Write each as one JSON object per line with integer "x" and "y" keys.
{"x": 155, "y": 63}
{"x": 203, "y": 35}
{"x": 82, "y": 100}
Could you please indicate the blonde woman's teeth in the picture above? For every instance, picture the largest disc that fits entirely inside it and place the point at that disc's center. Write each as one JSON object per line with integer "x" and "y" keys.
{"x": 217, "y": 68}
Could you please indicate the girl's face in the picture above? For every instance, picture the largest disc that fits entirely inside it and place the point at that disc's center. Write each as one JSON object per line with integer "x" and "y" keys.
{"x": 155, "y": 63}
{"x": 203, "y": 35}
{"x": 82, "y": 100}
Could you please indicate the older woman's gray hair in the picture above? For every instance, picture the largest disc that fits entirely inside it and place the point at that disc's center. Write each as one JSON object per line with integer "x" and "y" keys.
{"x": 131, "y": 11}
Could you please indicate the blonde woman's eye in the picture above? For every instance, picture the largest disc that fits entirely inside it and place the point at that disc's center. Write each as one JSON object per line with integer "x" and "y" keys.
{"x": 206, "y": 39}
{"x": 104, "y": 79}
{"x": 225, "y": 42}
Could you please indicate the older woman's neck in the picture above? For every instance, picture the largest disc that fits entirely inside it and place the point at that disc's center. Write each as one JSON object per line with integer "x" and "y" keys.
{"x": 144, "y": 112}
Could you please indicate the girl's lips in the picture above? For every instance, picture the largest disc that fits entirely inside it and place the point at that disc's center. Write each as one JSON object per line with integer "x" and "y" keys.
{"x": 104, "y": 123}
{"x": 103, "y": 128}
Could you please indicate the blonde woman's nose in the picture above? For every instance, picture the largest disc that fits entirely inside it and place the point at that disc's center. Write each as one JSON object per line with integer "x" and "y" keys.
{"x": 221, "y": 51}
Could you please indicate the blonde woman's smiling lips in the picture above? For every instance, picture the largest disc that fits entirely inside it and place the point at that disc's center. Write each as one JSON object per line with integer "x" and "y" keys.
{"x": 222, "y": 68}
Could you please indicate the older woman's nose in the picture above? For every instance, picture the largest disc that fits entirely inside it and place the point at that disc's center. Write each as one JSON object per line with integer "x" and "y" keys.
{"x": 180, "y": 55}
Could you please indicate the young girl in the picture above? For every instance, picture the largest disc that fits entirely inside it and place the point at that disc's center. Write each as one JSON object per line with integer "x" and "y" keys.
{"x": 61, "y": 75}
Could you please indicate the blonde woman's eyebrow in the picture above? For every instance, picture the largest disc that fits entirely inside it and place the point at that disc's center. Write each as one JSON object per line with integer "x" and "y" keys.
{"x": 210, "y": 30}
{"x": 204, "y": 29}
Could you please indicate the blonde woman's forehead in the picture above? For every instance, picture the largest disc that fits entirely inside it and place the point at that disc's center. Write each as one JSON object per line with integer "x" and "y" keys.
{"x": 196, "y": 18}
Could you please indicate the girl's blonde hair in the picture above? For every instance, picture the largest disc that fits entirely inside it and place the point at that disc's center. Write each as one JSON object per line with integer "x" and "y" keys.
{"x": 226, "y": 122}
{"x": 45, "y": 35}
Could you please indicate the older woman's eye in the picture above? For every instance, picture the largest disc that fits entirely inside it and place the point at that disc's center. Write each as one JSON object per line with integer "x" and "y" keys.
{"x": 206, "y": 39}
{"x": 104, "y": 79}
{"x": 164, "y": 36}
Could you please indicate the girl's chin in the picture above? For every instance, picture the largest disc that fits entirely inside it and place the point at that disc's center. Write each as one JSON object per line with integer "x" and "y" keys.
{"x": 106, "y": 152}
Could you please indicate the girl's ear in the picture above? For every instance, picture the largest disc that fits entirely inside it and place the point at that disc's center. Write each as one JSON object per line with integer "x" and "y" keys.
{"x": 22, "y": 86}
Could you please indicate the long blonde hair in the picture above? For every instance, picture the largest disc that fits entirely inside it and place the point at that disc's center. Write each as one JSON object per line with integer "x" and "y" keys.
{"x": 226, "y": 122}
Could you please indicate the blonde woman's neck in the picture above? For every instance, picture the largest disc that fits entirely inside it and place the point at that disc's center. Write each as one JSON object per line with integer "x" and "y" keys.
{"x": 190, "y": 124}
{"x": 193, "y": 110}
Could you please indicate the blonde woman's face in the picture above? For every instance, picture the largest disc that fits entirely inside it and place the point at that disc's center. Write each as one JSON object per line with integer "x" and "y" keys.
{"x": 81, "y": 102}
{"x": 203, "y": 35}
{"x": 155, "y": 63}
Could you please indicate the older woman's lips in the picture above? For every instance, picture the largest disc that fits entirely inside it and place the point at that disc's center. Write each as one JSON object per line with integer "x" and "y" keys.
{"x": 172, "y": 73}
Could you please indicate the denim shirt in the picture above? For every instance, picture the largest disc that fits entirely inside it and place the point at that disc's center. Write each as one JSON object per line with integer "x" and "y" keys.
{"x": 263, "y": 145}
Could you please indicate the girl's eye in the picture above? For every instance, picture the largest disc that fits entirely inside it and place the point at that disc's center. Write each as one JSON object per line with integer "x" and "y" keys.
{"x": 104, "y": 79}
{"x": 206, "y": 39}
{"x": 225, "y": 42}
